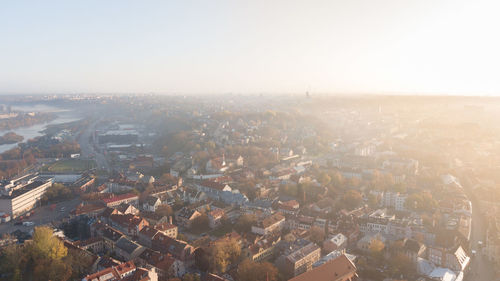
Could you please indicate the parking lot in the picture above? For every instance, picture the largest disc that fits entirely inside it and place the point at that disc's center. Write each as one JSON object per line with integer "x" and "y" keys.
{"x": 43, "y": 215}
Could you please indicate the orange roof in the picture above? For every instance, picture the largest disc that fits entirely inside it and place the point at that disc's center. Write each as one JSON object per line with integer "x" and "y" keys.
{"x": 334, "y": 270}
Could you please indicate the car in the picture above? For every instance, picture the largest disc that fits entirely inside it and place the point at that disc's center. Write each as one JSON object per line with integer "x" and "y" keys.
{"x": 18, "y": 223}
{"x": 28, "y": 223}
{"x": 473, "y": 252}
{"x": 62, "y": 209}
{"x": 480, "y": 243}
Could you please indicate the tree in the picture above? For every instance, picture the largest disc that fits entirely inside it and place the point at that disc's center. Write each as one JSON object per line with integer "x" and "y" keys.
{"x": 245, "y": 222}
{"x": 400, "y": 264}
{"x": 222, "y": 254}
{"x": 249, "y": 270}
{"x": 164, "y": 210}
{"x": 324, "y": 178}
{"x": 191, "y": 277}
{"x": 352, "y": 199}
{"x": 317, "y": 235}
{"x": 46, "y": 245}
{"x": 200, "y": 223}
{"x": 376, "y": 247}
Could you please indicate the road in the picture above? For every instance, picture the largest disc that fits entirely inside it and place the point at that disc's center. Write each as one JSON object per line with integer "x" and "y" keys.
{"x": 43, "y": 215}
{"x": 481, "y": 268}
{"x": 87, "y": 148}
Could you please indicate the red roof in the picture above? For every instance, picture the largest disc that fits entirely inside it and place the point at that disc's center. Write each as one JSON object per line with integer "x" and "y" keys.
{"x": 119, "y": 198}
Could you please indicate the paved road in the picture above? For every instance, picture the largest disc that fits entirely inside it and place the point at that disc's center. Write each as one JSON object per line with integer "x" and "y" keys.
{"x": 481, "y": 269}
{"x": 87, "y": 148}
{"x": 43, "y": 215}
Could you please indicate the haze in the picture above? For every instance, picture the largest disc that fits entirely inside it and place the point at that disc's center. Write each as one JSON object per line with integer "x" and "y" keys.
{"x": 203, "y": 47}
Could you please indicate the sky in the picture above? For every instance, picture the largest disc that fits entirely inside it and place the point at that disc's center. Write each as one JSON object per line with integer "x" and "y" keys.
{"x": 257, "y": 46}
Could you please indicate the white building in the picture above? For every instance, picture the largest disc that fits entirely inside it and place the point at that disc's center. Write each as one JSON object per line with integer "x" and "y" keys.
{"x": 18, "y": 197}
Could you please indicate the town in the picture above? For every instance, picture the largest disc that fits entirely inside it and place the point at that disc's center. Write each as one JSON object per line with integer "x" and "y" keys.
{"x": 267, "y": 188}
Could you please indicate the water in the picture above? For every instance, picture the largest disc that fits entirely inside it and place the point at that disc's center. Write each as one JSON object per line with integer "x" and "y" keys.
{"x": 63, "y": 116}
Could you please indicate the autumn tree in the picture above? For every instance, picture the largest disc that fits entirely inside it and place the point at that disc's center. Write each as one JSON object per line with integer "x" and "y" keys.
{"x": 317, "y": 235}
{"x": 46, "y": 245}
{"x": 164, "y": 210}
{"x": 352, "y": 199}
{"x": 249, "y": 270}
{"x": 223, "y": 253}
{"x": 376, "y": 247}
{"x": 245, "y": 222}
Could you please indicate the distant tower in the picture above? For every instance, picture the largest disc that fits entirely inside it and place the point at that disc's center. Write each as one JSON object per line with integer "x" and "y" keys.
{"x": 223, "y": 160}
{"x": 307, "y": 95}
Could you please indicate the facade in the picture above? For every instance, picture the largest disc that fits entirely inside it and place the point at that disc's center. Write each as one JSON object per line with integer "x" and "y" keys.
{"x": 269, "y": 225}
{"x": 302, "y": 259}
{"x": 18, "y": 199}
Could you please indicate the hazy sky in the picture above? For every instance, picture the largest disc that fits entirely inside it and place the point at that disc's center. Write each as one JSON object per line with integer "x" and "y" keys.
{"x": 250, "y": 46}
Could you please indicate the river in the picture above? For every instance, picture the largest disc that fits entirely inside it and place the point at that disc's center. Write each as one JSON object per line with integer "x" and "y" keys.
{"x": 63, "y": 116}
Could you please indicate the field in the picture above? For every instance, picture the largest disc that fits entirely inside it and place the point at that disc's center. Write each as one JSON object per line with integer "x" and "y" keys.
{"x": 71, "y": 165}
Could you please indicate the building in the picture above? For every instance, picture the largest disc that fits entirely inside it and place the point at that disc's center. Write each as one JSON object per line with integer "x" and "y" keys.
{"x": 128, "y": 249}
{"x": 299, "y": 257}
{"x": 262, "y": 249}
{"x": 454, "y": 258}
{"x": 338, "y": 269}
{"x": 336, "y": 242}
{"x": 186, "y": 216}
{"x": 270, "y": 224}
{"x": 128, "y": 198}
{"x": 18, "y": 197}
{"x": 215, "y": 218}
{"x": 124, "y": 271}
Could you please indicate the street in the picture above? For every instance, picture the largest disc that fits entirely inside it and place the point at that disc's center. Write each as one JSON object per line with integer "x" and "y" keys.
{"x": 87, "y": 148}
{"x": 481, "y": 268}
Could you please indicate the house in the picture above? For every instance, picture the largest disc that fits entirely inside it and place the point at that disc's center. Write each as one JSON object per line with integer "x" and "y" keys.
{"x": 217, "y": 165}
{"x": 164, "y": 264}
{"x": 454, "y": 258}
{"x": 91, "y": 210}
{"x": 270, "y": 224}
{"x": 336, "y": 242}
{"x": 151, "y": 204}
{"x": 290, "y": 207}
{"x": 127, "y": 209}
{"x": 146, "y": 235}
{"x": 365, "y": 243}
{"x": 177, "y": 248}
{"x": 263, "y": 248}
{"x": 167, "y": 228}
{"x": 108, "y": 233}
{"x": 128, "y": 198}
{"x": 338, "y": 269}
{"x": 126, "y": 271}
{"x": 128, "y": 224}
{"x": 186, "y": 216}
{"x": 128, "y": 249}
{"x": 215, "y": 217}
{"x": 93, "y": 244}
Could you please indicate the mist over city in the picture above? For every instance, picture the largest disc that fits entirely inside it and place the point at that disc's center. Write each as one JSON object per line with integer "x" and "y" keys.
{"x": 260, "y": 141}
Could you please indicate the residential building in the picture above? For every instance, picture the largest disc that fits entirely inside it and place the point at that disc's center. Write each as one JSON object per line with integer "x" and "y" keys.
{"x": 338, "y": 269}
{"x": 270, "y": 224}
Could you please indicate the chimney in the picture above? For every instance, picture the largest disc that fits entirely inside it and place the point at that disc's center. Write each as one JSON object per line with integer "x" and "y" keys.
{"x": 170, "y": 219}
